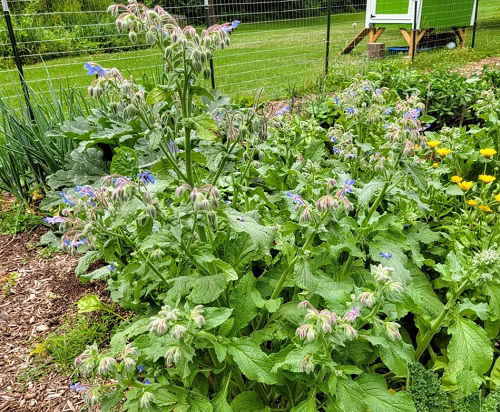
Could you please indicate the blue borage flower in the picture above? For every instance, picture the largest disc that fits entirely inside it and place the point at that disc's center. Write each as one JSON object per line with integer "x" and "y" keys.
{"x": 66, "y": 199}
{"x": 388, "y": 111}
{"x": 94, "y": 69}
{"x": 53, "y": 220}
{"x": 413, "y": 114}
{"x": 75, "y": 242}
{"x": 85, "y": 191}
{"x": 336, "y": 150}
{"x": 350, "y": 110}
{"x": 347, "y": 188}
{"x": 146, "y": 177}
{"x": 78, "y": 387}
{"x": 141, "y": 368}
{"x": 111, "y": 268}
{"x": 147, "y": 382}
{"x": 284, "y": 110}
{"x": 386, "y": 255}
{"x": 336, "y": 100}
{"x": 296, "y": 198}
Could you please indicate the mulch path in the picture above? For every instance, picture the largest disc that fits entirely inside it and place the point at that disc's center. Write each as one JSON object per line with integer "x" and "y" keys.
{"x": 44, "y": 291}
{"x": 475, "y": 68}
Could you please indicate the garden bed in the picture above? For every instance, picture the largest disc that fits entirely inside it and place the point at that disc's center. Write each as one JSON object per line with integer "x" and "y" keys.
{"x": 37, "y": 292}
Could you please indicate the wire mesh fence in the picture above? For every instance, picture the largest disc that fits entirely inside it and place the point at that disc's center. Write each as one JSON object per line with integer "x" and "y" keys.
{"x": 281, "y": 46}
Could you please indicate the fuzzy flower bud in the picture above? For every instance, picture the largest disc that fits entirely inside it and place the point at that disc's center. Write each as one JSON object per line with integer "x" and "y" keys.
{"x": 352, "y": 315}
{"x": 158, "y": 325}
{"x": 328, "y": 319}
{"x": 396, "y": 287}
{"x": 182, "y": 189}
{"x": 326, "y": 203}
{"x": 367, "y": 299}
{"x": 382, "y": 273}
{"x": 129, "y": 363}
{"x": 197, "y": 315}
{"x": 305, "y": 216}
{"x": 349, "y": 331}
{"x": 177, "y": 331}
{"x": 106, "y": 364}
{"x": 172, "y": 356}
{"x": 306, "y": 364}
{"x": 146, "y": 399}
{"x": 306, "y": 332}
{"x": 392, "y": 329}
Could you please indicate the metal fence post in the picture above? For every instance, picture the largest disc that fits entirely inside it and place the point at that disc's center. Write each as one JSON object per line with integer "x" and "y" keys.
{"x": 17, "y": 57}
{"x": 328, "y": 32}
{"x": 209, "y": 23}
{"x": 414, "y": 32}
{"x": 475, "y": 25}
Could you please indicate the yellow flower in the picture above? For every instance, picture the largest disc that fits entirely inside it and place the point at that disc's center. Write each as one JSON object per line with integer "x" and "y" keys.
{"x": 497, "y": 197}
{"x": 435, "y": 165}
{"x": 465, "y": 185}
{"x": 416, "y": 147}
{"x": 488, "y": 152}
{"x": 485, "y": 208}
{"x": 456, "y": 179}
{"x": 443, "y": 151}
{"x": 486, "y": 178}
{"x": 472, "y": 202}
{"x": 433, "y": 143}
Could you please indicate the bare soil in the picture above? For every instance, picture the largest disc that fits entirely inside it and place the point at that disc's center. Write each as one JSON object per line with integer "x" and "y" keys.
{"x": 35, "y": 294}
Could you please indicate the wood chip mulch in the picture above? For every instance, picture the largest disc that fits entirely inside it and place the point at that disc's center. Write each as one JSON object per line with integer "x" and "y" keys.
{"x": 30, "y": 308}
{"x": 475, "y": 68}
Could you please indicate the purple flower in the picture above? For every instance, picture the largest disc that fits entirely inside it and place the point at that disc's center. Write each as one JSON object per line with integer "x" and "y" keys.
{"x": 75, "y": 242}
{"x": 111, "y": 268}
{"x": 146, "y": 177}
{"x": 350, "y": 110}
{"x": 66, "y": 199}
{"x": 296, "y": 198}
{"x": 147, "y": 382}
{"x": 78, "y": 387}
{"x": 389, "y": 110}
{"x": 378, "y": 92}
{"x": 54, "y": 220}
{"x": 171, "y": 147}
{"x": 94, "y": 69}
{"x": 333, "y": 139}
{"x": 336, "y": 150}
{"x": 336, "y": 100}
{"x": 235, "y": 24}
{"x": 386, "y": 255}
{"x": 284, "y": 110}
{"x": 352, "y": 314}
{"x": 85, "y": 191}
{"x": 347, "y": 187}
{"x": 141, "y": 368}
{"x": 351, "y": 155}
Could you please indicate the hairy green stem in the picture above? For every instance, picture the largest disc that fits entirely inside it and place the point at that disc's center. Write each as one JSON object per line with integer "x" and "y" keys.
{"x": 436, "y": 325}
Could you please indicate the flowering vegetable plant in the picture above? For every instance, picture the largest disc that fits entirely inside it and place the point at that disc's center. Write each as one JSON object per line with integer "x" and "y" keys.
{"x": 275, "y": 264}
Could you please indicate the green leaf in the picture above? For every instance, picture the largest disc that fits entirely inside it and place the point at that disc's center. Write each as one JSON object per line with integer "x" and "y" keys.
{"x": 378, "y": 399}
{"x": 271, "y": 305}
{"x": 159, "y": 94}
{"x": 252, "y": 361}
{"x": 308, "y": 405}
{"x": 469, "y": 346}
{"x": 208, "y": 288}
{"x": 248, "y": 401}
{"x": 125, "y": 162}
{"x": 215, "y": 317}
{"x": 395, "y": 354}
{"x": 226, "y": 268}
{"x": 90, "y": 303}
{"x": 86, "y": 260}
{"x": 242, "y": 302}
{"x": 495, "y": 373}
{"x": 349, "y": 396}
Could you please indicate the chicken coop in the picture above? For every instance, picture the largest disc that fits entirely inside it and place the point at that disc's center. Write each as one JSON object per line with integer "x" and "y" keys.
{"x": 425, "y": 19}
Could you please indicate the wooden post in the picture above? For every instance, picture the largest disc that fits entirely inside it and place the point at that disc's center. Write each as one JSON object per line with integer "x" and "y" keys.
{"x": 354, "y": 42}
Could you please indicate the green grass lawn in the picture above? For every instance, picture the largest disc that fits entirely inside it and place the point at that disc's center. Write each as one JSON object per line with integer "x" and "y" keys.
{"x": 277, "y": 56}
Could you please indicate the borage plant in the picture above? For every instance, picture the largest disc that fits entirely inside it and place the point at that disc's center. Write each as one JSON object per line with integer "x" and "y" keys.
{"x": 276, "y": 265}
